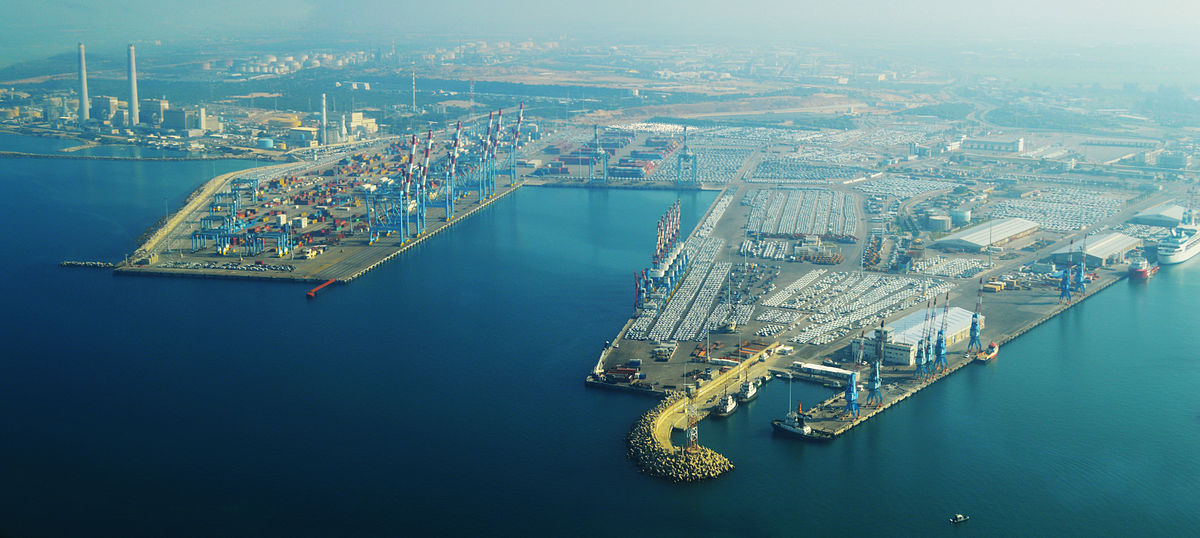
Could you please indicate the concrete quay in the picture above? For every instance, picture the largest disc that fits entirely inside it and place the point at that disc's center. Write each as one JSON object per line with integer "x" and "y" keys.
{"x": 899, "y": 383}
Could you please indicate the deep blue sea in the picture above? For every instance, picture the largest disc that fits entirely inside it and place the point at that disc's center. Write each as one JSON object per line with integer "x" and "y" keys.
{"x": 442, "y": 394}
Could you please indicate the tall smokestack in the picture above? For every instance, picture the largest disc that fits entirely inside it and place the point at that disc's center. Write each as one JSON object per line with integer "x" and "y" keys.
{"x": 83, "y": 96}
{"x": 133, "y": 99}
{"x": 323, "y": 139}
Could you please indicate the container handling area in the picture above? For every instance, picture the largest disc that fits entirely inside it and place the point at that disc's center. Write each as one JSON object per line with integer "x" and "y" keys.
{"x": 339, "y": 215}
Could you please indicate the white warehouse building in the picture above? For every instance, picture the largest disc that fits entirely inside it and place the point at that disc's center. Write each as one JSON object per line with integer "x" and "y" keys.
{"x": 900, "y": 338}
{"x": 1101, "y": 250}
{"x": 996, "y": 232}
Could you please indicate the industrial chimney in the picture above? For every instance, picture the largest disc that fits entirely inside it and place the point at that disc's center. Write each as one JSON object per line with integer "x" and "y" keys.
{"x": 84, "y": 103}
{"x": 133, "y": 98}
{"x": 323, "y": 140}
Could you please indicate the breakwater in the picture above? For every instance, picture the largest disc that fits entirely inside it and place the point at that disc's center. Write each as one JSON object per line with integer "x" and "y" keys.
{"x": 89, "y": 265}
{"x": 671, "y": 463}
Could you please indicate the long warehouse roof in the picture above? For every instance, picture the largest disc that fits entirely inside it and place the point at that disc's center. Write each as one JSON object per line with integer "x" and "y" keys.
{"x": 1103, "y": 246}
{"x": 1166, "y": 213}
{"x": 988, "y": 233}
{"x": 908, "y": 329}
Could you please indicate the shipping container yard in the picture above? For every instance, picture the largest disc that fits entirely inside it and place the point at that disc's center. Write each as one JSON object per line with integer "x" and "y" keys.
{"x": 339, "y": 215}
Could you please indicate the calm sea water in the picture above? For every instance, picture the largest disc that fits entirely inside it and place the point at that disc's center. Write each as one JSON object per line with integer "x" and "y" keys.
{"x": 442, "y": 394}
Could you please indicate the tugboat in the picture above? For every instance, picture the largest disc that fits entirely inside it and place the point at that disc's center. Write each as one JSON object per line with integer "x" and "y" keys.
{"x": 794, "y": 425}
{"x": 993, "y": 349}
{"x": 959, "y": 518}
{"x": 749, "y": 391}
{"x": 725, "y": 406}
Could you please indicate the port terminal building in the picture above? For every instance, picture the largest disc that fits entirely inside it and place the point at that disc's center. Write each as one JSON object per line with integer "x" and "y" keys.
{"x": 1100, "y": 250}
{"x": 992, "y": 233}
{"x": 899, "y": 339}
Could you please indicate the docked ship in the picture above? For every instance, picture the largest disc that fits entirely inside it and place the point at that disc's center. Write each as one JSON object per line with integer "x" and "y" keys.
{"x": 794, "y": 425}
{"x": 993, "y": 349}
{"x": 1141, "y": 268}
{"x": 725, "y": 406}
{"x": 749, "y": 391}
{"x": 1181, "y": 244}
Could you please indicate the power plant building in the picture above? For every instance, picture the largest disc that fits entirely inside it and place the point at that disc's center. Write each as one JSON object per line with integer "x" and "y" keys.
{"x": 155, "y": 110}
{"x": 899, "y": 339}
{"x": 103, "y": 108}
{"x": 179, "y": 119}
{"x": 994, "y": 233}
{"x": 1101, "y": 250}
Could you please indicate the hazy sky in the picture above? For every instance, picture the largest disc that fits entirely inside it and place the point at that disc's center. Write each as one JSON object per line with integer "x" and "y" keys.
{"x": 34, "y": 29}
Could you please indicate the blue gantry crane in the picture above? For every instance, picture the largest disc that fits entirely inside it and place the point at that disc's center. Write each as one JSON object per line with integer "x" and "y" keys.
{"x": 1064, "y": 286}
{"x": 939, "y": 348}
{"x": 919, "y": 372}
{"x": 852, "y": 396}
{"x": 974, "y": 344}
{"x": 874, "y": 394}
{"x": 387, "y": 211}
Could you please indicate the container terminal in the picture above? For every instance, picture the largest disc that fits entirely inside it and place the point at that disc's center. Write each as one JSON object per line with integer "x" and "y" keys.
{"x": 343, "y": 213}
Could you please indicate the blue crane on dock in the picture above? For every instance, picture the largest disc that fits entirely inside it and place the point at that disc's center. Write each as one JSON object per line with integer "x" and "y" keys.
{"x": 1064, "y": 286}
{"x": 939, "y": 348}
{"x": 874, "y": 395}
{"x": 852, "y": 396}
{"x": 974, "y": 344}
{"x": 1080, "y": 286}
{"x": 919, "y": 373}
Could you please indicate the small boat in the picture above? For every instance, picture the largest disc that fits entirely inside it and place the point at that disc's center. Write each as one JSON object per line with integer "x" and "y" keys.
{"x": 959, "y": 518}
{"x": 993, "y": 349}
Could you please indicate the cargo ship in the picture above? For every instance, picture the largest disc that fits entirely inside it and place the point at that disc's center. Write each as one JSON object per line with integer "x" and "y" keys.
{"x": 1141, "y": 268}
{"x": 993, "y": 349}
{"x": 1180, "y": 245}
{"x": 794, "y": 425}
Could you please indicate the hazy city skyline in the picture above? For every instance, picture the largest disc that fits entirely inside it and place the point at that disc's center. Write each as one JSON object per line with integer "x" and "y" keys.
{"x": 32, "y": 31}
